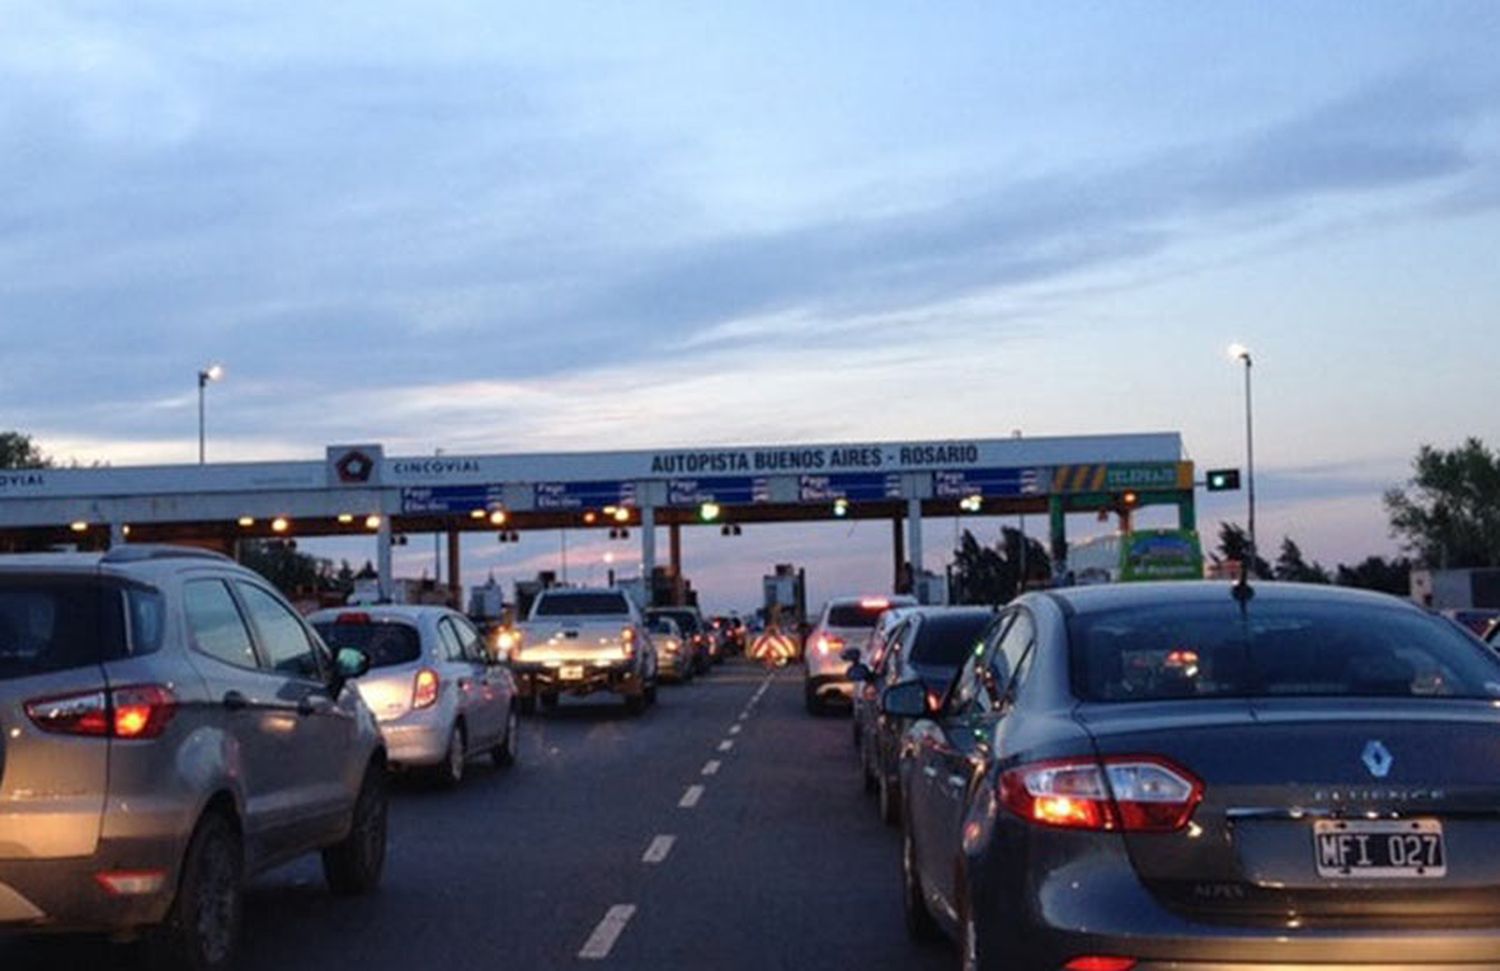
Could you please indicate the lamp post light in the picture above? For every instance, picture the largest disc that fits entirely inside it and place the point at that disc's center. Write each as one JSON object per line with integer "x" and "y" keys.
{"x": 1239, "y": 352}
{"x": 214, "y": 372}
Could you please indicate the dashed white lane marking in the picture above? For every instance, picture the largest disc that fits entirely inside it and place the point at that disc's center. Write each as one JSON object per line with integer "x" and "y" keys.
{"x": 602, "y": 941}
{"x": 726, "y": 745}
{"x": 734, "y": 729}
{"x": 711, "y": 767}
{"x": 690, "y": 798}
{"x": 658, "y": 850}
{"x": 745, "y": 715}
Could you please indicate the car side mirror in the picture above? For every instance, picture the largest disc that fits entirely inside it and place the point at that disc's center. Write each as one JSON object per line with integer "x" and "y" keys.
{"x": 850, "y": 654}
{"x": 858, "y": 671}
{"x": 352, "y": 663}
{"x": 905, "y": 700}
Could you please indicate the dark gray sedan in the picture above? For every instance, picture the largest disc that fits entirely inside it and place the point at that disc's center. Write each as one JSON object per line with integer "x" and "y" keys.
{"x": 1202, "y": 776}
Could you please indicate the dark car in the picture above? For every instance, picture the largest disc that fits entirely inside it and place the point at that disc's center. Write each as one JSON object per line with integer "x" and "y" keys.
{"x": 695, "y": 634}
{"x": 929, "y": 644}
{"x": 1202, "y": 776}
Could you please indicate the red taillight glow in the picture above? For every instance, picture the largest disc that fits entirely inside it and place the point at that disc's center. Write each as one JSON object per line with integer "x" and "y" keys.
{"x": 137, "y": 712}
{"x": 1093, "y": 962}
{"x": 830, "y": 645}
{"x": 424, "y": 690}
{"x": 874, "y": 603}
{"x": 131, "y": 883}
{"x": 352, "y": 617}
{"x": 1131, "y": 793}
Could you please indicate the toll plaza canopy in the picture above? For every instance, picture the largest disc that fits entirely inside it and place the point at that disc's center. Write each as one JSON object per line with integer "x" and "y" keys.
{"x": 359, "y": 489}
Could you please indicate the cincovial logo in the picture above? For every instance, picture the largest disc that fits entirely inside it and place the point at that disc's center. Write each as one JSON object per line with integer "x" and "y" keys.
{"x": 355, "y": 466}
{"x": 9, "y": 480}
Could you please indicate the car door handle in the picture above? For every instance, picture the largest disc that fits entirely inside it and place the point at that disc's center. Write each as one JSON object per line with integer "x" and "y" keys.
{"x": 235, "y": 701}
{"x": 314, "y": 705}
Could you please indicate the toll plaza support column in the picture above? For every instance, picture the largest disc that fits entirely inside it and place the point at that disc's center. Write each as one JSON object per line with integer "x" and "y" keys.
{"x": 455, "y": 583}
{"x": 116, "y": 534}
{"x": 1187, "y": 513}
{"x": 383, "y": 558}
{"x": 898, "y": 546}
{"x": 1057, "y": 514}
{"x": 648, "y": 552}
{"x": 914, "y": 543}
{"x": 674, "y": 536}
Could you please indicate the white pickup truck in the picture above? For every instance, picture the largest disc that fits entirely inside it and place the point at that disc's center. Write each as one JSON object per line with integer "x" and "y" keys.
{"x": 578, "y": 641}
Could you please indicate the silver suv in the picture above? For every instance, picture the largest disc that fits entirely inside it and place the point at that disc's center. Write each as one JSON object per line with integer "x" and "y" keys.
{"x": 169, "y": 726}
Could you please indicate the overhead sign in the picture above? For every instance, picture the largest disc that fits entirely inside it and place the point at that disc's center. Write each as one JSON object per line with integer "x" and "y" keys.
{"x": 584, "y": 495}
{"x": 854, "y": 486}
{"x": 959, "y": 484}
{"x": 452, "y": 499}
{"x": 354, "y": 465}
{"x": 721, "y": 489}
{"x": 1119, "y": 477}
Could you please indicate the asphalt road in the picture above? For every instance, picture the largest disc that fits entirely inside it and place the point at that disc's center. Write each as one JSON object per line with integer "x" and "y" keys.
{"x": 724, "y": 829}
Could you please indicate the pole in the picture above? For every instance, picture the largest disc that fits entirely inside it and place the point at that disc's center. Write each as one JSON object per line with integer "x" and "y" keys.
{"x": 564, "y": 556}
{"x": 1250, "y": 467}
{"x": 202, "y": 383}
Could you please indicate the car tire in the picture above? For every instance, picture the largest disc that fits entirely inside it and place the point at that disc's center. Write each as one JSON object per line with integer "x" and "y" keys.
{"x": 814, "y": 705}
{"x": 650, "y": 693}
{"x": 450, "y": 772}
{"x": 504, "y": 754}
{"x": 354, "y": 866}
{"x": 635, "y": 704}
{"x": 202, "y": 929}
{"x": 920, "y": 925}
{"x": 526, "y": 705}
{"x": 888, "y": 797}
{"x": 868, "y": 774}
{"x": 549, "y": 701}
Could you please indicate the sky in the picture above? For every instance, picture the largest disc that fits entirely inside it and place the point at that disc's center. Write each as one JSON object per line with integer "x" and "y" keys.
{"x": 492, "y": 228}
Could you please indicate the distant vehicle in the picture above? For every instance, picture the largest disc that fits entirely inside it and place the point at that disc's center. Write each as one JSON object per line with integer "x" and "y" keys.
{"x": 730, "y": 631}
{"x": 674, "y": 654}
{"x": 1157, "y": 775}
{"x": 701, "y": 645}
{"x": 579, "y": 641}
{"x": 846, "y": 622}
{"x": 1476, "y": 619}
{"x": 1146, "y": 554}
{"x": 171, "y": 727}
{"x": 929, "y": 645}
{"x": 439, "y": 695}
{"x": 865, "y": 697}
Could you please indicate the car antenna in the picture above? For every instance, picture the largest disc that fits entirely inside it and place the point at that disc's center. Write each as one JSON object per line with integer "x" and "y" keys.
{"x": 1242, "y": 591}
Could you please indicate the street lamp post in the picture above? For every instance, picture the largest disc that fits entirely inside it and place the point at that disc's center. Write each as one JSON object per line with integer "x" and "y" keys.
{"x": 1240, "y": 352}
{"x": 214, "y": 372}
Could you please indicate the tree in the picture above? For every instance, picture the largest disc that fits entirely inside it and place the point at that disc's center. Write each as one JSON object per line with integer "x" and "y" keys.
{"x": 1378, "y": 573}
{"x": 1448, "y": 515}
{"x": 1234, "y": 546}
{"x": 18, "y": 451}
{"x": 993, "y": 575}
{"x": 1290, "y": 566}
{"x": 291, "y": 572}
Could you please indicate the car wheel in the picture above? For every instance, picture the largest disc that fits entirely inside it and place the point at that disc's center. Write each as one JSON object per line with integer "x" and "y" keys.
{"x": 889, "y": 798}
{"x": 527, "y": 704}
{"x": 505, "y": 753}
{"x": 354, "y": 866}
{"x": 871, "y": 784}
{"x": 549, "y": 700}
{"x": 814, "y": 705}
{"x": 920, "y": 925}
{"x": 854, "y": 732}
{"x": 650, "y": 693}
{"x": 635, "y": 704}
{"x": 450, "y": 772}
{"x": 202, "y": 930}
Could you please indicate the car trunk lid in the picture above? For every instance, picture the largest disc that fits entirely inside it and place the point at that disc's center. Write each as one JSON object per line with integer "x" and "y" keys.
{"x": 1284, "y": 777}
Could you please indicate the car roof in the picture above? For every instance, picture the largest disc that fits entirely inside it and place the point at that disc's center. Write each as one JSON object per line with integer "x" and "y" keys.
{"x": 1114, "y": 596}
{"x": 411, "y": 612}
{"x": 894, "y": 600}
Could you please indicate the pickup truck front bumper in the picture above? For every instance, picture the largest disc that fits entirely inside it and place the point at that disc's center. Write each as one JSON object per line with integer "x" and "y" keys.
{"x": 575, "y": 677}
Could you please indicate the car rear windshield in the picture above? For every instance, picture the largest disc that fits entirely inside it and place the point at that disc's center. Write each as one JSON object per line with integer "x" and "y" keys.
{"x": 687, "y": 621}
{"x": 947, "y": 641}
{"x": 854, "y": 615}
{"x": 53, "y": 624}
{"x": 388, "y": 643}
{"x": 1275, "y": 649}
{"x": 581, "y": 604}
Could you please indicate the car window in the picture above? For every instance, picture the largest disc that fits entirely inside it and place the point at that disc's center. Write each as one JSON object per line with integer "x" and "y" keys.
{"x": 468, "y": 637}
{"x": 893, "y": 669}
{"x": 215, "y": 623}
{"x": 288, "y": 650}
{"x": 56, "y": 624}
{"x": 1011, "y": 657}
{"x": 581, "y": 604}
{"x": 452, "y": 647}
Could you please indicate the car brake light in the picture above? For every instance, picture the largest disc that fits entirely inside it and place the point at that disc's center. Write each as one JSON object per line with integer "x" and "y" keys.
{"x": 1094, "y": 962}
{"x": 875, "y": 603}
{"x": 1130, "y": 793}
{"x": 131, "y": 883}
{"x": 828, "y": 644}
{"x": 136, "y": 712}
{"x": 424, "y": 691}
{"x": 352, "y": 617}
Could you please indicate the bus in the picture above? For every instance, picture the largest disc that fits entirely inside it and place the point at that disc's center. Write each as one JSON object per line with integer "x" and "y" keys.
{"x": 1146, "y": 554}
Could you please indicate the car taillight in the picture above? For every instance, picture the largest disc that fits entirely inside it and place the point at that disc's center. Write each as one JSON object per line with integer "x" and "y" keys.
{"x": 830, "y": 645}
{"x": 1094, "y": 962}
{"x": 1131, "y": 793}
{"x": 424, "y": 689}
{"x": 135, "y": 712}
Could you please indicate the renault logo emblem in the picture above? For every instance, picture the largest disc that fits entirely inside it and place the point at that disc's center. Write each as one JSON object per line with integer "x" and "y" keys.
{"x": 1378, "y": 759}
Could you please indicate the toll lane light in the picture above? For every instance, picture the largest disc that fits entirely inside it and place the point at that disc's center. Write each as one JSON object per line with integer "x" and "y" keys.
{"x": 280, "y": 524}
{"x": 841, "y": 507}
{"x": 709, "y": 511}
{"x": 498, "y": 517}
{"x": 372, "y": 522}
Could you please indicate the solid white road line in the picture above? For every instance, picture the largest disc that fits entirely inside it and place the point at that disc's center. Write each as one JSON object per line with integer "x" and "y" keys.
{"x": 602, "y": 941}
{"x": 658, "y": 850}
{"x": 711, "y": 767}
{"x": 690, "y": 798}
{"x": 726, "y": 745}
{"x": 734, "y": 729}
